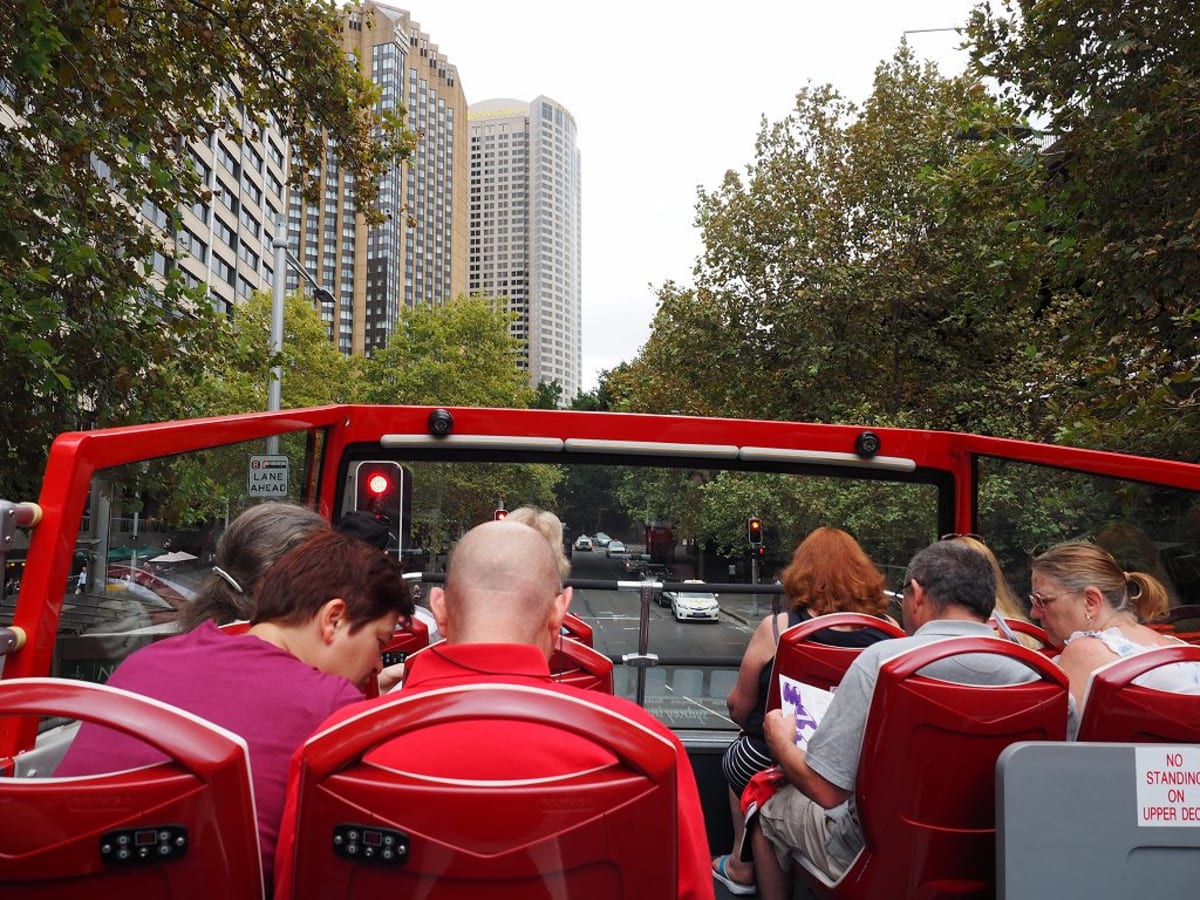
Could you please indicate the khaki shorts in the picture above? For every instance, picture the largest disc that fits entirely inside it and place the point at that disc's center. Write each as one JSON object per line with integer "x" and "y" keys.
{"x": 795, "y": 824}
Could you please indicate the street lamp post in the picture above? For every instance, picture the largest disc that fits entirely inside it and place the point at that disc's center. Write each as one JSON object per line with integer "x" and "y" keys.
{"x": 279, "y": 277}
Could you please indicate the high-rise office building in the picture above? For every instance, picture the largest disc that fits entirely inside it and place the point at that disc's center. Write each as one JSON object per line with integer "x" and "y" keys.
{"x": 525, "y": 230}
{"x": 225, "y": 243}
{"x": 419, "y": 253}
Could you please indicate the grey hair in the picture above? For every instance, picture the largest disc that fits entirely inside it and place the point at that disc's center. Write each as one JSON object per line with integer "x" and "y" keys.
{"x": 251, "y": 544}
{"x": 955, "y": 574}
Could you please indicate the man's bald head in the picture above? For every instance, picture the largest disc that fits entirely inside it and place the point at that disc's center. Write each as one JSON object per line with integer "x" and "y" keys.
{"x": 502, "y": 585}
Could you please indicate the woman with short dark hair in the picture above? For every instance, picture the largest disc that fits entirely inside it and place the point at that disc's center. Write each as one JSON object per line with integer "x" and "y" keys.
{"x": 322, "y": 614}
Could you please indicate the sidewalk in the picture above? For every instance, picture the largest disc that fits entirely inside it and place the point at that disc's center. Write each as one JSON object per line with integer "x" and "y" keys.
{"x": 749, "y": 609}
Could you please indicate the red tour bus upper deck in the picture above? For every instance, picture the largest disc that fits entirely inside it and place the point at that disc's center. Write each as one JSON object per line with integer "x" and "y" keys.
{"x": 123, "y": 532}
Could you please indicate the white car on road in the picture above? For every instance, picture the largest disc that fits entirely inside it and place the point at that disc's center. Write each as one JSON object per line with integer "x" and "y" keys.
{"x": 693, "y": 604}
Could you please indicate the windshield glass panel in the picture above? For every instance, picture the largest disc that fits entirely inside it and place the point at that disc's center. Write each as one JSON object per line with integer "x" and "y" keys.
{"x": 146, "y": 544}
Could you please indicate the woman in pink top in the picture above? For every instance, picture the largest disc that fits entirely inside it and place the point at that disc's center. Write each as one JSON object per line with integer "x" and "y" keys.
{"x": 322, "y": 613}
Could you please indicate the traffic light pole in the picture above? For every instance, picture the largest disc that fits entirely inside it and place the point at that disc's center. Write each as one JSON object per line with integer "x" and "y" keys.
{"x": 754, "y": 537}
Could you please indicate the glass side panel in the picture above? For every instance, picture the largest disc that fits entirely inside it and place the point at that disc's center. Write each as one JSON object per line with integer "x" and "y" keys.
{"x": 146, "y": 544}
{"x": 1026, "y": 509}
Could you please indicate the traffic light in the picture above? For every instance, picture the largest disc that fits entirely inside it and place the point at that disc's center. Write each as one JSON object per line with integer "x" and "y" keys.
{"x": 379, "y": 490}
{"x": 500, "y": 513}
{"x": 754, "y": 531}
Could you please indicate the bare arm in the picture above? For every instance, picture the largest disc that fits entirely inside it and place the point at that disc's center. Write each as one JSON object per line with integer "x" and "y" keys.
{"x": 1079, "y": 659}
{"x": 391, "y": 677}
{"x": 780, "y": 732}
{"x": 744, "y": 696}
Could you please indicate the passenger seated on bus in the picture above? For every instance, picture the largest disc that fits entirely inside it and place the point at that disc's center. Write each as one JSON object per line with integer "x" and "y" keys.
{"x": 1007, "y": 604}
{"x": 546, "y": 524}
{"x": 501, "y": 611}
{"x": 949, "y": 591}
{"x": 1093, "y": 609}
{"x": 323, "y": 611}
{"x": 251, "y": 543}
{"x": 375, "y": 531}
{"x": 829, "y": 572}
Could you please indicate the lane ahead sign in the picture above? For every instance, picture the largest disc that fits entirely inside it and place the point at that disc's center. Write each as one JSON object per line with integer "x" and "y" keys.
{"x": 268, "y": 477}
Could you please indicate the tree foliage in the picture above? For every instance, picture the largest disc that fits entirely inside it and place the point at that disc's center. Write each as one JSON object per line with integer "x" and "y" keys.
{"x": 459, "y": 354}
{"x": 547, "y": 395}
{"x": 198, "y": 486}
{"x": 314, "y": 372}
{"x": 873, "y": 264}
{"x": 99, "y": 104}
{"x": 878, "y": 264}
{"x": 1117, "y": 82}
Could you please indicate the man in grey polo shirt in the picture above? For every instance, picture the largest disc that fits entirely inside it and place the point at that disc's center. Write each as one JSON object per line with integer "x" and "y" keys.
{"x": 949, "y": 591}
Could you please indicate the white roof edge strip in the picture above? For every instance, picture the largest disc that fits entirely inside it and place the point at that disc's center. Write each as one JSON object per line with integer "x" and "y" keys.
{"x": 474, "y": 441}
{"x": 827, "y": 457}
{"x": 652, "y": 448}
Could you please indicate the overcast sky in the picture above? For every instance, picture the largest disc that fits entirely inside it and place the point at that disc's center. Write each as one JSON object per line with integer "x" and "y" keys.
{"x": 667, "y": 96}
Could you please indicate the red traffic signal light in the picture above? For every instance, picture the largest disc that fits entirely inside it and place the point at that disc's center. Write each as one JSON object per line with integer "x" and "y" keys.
{"x": 379, "y": 490}
{"x": 499, "y": 514}
{"x": 378, "y": 484}
{"x": 754, "y": 533}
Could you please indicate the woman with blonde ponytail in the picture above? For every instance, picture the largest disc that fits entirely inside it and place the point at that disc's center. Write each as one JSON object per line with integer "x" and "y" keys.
{"x": 1093, "y": 608}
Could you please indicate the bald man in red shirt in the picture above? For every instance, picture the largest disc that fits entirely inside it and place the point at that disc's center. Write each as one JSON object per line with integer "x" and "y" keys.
{"x": 501, "y": 613}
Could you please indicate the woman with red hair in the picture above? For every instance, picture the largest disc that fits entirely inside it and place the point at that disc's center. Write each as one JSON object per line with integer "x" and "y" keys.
{"x": 829, "y": 572}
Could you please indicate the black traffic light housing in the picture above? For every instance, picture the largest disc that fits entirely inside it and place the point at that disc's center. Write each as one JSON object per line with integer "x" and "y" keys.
{"x": 500, "y": 513}
{"x": 754, "y": 531}
{"x": 379, "y": 491}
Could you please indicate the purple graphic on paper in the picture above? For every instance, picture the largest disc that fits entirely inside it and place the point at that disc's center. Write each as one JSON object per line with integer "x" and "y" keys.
{"x": 791, "y": 695}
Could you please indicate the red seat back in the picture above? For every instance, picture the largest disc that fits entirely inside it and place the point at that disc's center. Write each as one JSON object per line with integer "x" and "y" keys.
{"x": 801, "y": 658}
{"x": 580, "y": 835}
{"x": 1116, "y": 709}
{"x": 188, "y": 825}
{"x": 408, "y": 637}
{"x": 926, "y": 779}
{"x": 1030, "y": 629}
{"x": 579, "y": 665}
{"x": 575, "y": 627}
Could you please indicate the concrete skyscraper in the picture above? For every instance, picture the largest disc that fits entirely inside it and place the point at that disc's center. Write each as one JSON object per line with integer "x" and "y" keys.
{"x": 225, "y": 243}
{"x": 525, "y": 230}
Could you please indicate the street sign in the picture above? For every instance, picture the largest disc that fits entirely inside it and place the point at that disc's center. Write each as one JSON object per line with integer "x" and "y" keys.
{"x": 268, "y": 477}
